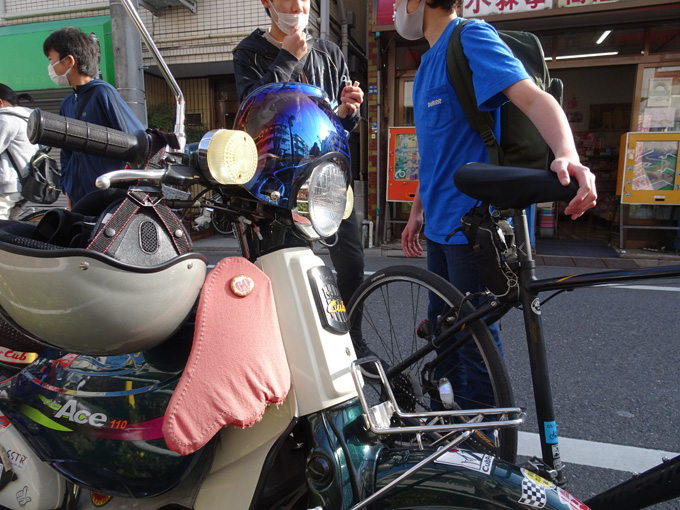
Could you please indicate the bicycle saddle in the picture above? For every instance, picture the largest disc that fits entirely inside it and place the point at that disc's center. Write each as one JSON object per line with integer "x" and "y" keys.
{"x": 507, "y": 187}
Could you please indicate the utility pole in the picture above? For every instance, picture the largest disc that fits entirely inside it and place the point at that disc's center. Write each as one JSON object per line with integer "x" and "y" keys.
{"x": 127, "y": 59}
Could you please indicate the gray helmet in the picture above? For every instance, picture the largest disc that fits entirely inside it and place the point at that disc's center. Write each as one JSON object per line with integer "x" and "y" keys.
{"x": 85, "y": 302}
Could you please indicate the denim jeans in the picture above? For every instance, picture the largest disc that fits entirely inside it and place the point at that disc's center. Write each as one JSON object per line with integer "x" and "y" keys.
{"x": 465, "y": 369}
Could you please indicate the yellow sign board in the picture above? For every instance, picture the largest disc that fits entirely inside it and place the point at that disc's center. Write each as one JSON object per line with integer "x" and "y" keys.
{"x": 648, "y": 168}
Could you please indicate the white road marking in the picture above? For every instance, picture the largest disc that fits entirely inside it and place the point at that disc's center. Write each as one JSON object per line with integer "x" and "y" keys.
{"x": 642, "y": 287}
{"x": 595, "y": 454}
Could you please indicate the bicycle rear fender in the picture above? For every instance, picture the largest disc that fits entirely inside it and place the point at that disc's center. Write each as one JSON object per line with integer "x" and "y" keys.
{"x": 465, "y": 479}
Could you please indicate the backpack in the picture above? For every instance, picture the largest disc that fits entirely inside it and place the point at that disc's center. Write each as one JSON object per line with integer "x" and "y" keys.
{"x": 41, "y": 184}
{"x": 521, "y": 144}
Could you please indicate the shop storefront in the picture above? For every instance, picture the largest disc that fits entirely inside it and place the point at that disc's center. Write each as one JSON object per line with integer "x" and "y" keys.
{"x": 620, "y": 64}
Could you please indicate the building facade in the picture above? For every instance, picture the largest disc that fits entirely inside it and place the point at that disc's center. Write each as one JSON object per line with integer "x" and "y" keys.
{"x": 611, "y": 55}
{"x": 195, "y": 37}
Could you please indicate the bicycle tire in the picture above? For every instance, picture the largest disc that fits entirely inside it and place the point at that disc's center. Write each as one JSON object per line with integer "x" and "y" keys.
{"x": 390, "y": 331}
{"x": 220, "y": 221}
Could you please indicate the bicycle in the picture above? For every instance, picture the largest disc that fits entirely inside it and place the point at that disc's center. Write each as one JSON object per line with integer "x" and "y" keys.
{"x": 213, "y": 214}
{"x": 411, "y": 350}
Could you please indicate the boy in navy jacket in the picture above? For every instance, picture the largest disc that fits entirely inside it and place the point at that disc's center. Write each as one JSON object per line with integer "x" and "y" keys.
{"x": 73, "y": 61}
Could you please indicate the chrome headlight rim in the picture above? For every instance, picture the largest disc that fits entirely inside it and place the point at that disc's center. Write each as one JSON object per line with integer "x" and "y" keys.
{"x": 303, "y": 211}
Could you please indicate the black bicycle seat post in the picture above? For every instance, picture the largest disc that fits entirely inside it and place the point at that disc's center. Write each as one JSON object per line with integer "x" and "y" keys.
{"x": 538, "y": 360}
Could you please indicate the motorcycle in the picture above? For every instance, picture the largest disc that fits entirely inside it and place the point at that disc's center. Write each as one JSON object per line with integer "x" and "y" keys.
{"x": 155, "y": 385}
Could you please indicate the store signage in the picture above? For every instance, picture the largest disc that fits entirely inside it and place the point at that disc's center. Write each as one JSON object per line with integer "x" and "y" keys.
{"x": 383, "y": 12}
{"x": 576, "y": 3}
{"x": 477, "y": 8}
{"x": 472, "y": 8}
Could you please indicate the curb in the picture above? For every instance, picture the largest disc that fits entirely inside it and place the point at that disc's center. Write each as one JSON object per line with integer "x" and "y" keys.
{"x": 625, "y": 260}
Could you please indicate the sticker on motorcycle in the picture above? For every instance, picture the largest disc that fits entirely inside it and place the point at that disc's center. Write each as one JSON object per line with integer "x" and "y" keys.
{"x": 17, "y": 357}
{"x": 329, "y": 304}
{"x": 570, "y": 501}
{"x": 99, "y": 500}
{"x": 537, "y": 479}
{"x": 533, "y": 493}
{"x": 469, "y": 460}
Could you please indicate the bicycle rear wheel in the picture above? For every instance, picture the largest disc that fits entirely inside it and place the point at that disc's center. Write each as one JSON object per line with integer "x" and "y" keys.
{"x": 220, "y": 221}
{"x": 391, "y": 306}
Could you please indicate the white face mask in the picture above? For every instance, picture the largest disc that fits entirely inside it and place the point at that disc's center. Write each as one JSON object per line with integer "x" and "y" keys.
{"x": 287, "y": 22}
{"x": 410, "y": 26}
{"x": 60, "y": 80}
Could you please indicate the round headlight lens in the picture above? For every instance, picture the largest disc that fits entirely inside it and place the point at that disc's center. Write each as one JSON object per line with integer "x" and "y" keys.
{"x": 321, "y": 200}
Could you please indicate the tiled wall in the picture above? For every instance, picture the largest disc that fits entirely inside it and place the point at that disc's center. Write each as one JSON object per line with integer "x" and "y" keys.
{"x": 71, "y": 8}
{"x": 209, "y": 35}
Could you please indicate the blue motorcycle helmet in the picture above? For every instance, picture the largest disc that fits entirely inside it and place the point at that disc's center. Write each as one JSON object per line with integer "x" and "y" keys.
{"x": 303, "y": 154}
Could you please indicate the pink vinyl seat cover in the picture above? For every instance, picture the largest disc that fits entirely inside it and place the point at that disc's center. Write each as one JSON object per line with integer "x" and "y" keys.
{"x": 237, "y": 364}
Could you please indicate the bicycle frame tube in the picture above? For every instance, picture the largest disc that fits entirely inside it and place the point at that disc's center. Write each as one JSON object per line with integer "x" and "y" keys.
{"x": 530, "y": 288}
{"x": 601, "y": 278}
{"x": 538, "y": 360}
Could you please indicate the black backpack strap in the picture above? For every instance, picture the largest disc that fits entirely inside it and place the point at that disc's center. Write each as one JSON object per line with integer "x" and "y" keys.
{"x": 85, "y": 99}
{"x": 461, "y": 78}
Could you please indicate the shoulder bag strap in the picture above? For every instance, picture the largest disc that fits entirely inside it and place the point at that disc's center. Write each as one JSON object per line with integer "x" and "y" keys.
{"x": 461, "y": 78}
{"x": 9, "y": 154}
{"x": 85, "y": 99}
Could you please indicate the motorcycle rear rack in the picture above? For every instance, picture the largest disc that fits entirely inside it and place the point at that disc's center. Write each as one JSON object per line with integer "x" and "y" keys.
{"x": 377, "y": 419}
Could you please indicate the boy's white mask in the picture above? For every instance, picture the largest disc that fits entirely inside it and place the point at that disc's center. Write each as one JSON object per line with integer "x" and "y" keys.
{"x": 410, "y": 26}
{"x": 60, "y": 80}
{"x": 287, "y": 22}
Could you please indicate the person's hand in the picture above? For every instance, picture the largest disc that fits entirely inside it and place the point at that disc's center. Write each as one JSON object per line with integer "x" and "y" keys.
{"x": 587, "y": 194}
{"x": 295, "y": 43}
{"x": 351, "y": 98}
{"x": 410, "y": 243}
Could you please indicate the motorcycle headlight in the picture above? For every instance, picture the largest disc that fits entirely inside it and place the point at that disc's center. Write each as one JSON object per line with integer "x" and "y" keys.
{"x": 322, "y": 201}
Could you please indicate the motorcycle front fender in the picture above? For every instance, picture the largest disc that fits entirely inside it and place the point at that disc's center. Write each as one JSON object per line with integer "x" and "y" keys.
{"x": 462, "y": 479}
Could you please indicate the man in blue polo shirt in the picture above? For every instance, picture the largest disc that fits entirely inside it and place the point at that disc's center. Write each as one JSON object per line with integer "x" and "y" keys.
{"x": 446, "y": 141}
{"x": 73, "y": 62}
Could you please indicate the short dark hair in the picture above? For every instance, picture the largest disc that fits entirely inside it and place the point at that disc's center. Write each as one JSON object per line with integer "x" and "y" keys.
{"x": 447, "y": 5}
{"x": 7, "y": 94}
{"x": 73, "y": 41}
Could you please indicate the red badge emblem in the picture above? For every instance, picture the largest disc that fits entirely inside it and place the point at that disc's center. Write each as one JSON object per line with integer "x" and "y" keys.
{"x": 242, "y": 285}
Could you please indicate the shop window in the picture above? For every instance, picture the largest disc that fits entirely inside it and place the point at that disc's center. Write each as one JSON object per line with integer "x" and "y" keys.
{"x": 408, "y": 57}
{"x": 665, "y": 38}
{"x": 600, "y": 42}
{"x": 546, "y": 41}
{"x": 407, "y": 118}
{"x": 660, "y": 99}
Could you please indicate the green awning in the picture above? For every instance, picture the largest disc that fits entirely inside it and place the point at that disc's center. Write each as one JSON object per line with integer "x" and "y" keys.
{"x": 24, "y": 65}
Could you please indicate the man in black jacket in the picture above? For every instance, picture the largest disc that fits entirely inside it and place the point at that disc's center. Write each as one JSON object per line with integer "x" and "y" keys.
{"x": 285, "y": 52}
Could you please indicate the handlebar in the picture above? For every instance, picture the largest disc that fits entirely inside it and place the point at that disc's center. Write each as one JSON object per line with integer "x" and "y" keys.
{"x": 104, "y": 181}
{"x": 76, "y": 135}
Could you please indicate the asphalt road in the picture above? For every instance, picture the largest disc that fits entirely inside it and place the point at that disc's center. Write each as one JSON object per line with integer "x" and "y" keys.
{"x": 614, "y": 360}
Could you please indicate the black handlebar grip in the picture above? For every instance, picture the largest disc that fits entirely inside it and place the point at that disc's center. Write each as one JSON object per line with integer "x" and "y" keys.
{"x": 76, "y": 135}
